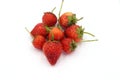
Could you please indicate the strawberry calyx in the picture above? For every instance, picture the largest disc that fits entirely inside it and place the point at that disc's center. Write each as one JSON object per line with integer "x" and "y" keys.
{"x": 72, "y": 19}
{"x": 73, "y": 45}
{"x": 80, "y": 32}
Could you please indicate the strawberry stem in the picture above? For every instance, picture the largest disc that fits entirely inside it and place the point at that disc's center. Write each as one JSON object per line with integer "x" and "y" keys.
{"x": 80, "y": 19}
{"x": 59, "y": 27}
{"x": 52, "y": 37}
{"x": 47, "y": 28}
{"x": 89, "y": 40}
{"x": 89, "y": 34}
{"x": 53, "y": 9}
{"x": 29, "y": 32}
{"x": 59, "y": 14}
{"x": 60, "y": 8}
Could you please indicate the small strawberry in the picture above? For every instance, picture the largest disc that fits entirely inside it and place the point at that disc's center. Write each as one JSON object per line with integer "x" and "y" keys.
{"x": 38, "y": 41}
{"x": 67, "y": 19}
{"x": 69, "y": 45}
{"x": 56, "y": 34}
{"x": 39, "y": 29}
{"x": 49, "y": 19}
{"x": 52, "y": 50}
{"x": 75, "y": 32}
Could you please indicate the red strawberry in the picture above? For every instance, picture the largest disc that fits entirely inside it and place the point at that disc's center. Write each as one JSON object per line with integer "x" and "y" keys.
{"x": 67, "y": 19}
{"x": 49, "y": 19}
{"x": 56, "y": 34}
{"x": 39, "y": 29}
{"x": 75, "y": 32}
{"x": 52, "y": 50}
{"x": 38, "y": 41}
{"x": 68, "y": 45}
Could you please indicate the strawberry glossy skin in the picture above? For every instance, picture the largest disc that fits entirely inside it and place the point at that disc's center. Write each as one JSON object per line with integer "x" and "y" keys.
{"x": 39, "y": 29}
{"x": 75, "y": 32}
{"x": 56, "y": 34}
{"x": 38, "y": 41}
{"x": 67, "y": 19}
{"x": 52, "y": 51}
{"x": 49, "y": 19}
{"x": 68, "y": 45}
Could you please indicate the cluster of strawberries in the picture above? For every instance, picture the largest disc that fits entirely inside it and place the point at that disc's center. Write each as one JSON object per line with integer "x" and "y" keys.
{"x": 53, "y": 35}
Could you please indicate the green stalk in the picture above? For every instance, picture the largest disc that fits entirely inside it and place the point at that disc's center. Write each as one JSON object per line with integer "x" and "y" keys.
{"x": 53, "y": 9}
{"x": 29, "y": 32}
{"x": 89, "y": 34}
{"x": 59, "y": 14}
{"x": 60, "y": 8}
{"x": 80, "y": 19}
{"x": 89, "y": 40}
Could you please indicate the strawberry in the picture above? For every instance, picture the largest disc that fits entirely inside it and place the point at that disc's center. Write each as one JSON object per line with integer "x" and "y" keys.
{"x": 75, "y": 32}
{"x": 38, "y": 41}
{"x": 52, "y": 51}
{"x": 68, "y": 45}
{"x": 67, "y": 19}
{"x": 39, "y": 29}
{"x": 56, "y": 34}
{"x": 49, "y": 19}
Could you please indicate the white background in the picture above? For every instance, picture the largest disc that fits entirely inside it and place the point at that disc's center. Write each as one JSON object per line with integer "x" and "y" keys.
{"x": 19, "y": 60}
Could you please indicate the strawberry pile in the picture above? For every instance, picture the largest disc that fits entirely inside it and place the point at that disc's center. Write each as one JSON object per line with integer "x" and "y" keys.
{"x": 56, "y": 35}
